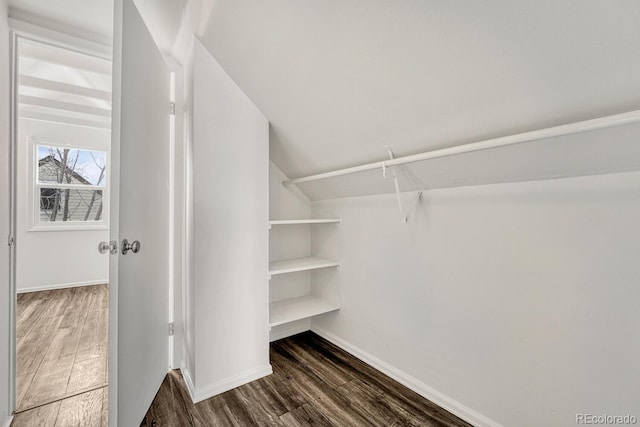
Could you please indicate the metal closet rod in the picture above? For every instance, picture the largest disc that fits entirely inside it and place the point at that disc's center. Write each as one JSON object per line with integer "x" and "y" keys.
{"x": 568, "y": 129}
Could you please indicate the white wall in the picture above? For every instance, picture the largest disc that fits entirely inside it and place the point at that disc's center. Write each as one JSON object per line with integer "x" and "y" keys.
{"x": 49, "y": 259}
{"x": 230, "y": 217}
{"x": 517, "y": 301}
{"x": 6, "y": 323}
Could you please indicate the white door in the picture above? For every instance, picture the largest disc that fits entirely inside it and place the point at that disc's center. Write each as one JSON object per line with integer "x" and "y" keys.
{"x": 140, "y": 212}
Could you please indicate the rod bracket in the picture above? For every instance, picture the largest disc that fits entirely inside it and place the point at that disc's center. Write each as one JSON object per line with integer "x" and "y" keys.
{"x": 404, "y": 216}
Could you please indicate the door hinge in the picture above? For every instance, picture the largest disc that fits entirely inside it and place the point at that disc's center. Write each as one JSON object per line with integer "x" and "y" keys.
{"x": 11, "y": 241}
{"x": 172, "y": 108}
{"x": 172, "y": 329}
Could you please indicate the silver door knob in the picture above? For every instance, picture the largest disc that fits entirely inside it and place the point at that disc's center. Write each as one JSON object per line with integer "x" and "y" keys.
{"x": 133, "y": 246}
{"x": 110, "y": 247}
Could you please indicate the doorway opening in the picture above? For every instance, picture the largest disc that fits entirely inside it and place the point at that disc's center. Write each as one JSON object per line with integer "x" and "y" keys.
{"x": 62, "y": 158}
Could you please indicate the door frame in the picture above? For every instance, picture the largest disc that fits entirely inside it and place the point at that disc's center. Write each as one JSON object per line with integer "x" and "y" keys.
{"x": 19, "y": 29}
{"x": 22, "y": 30}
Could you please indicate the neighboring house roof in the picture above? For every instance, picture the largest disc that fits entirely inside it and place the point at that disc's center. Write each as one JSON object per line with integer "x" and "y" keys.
{"x": 74, "y": 175}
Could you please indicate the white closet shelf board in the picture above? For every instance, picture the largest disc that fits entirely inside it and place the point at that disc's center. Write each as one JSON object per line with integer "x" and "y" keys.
{"x": 302, "y": 221}
{"x": 293, "y": 309}
{"x": 299, "y": 264}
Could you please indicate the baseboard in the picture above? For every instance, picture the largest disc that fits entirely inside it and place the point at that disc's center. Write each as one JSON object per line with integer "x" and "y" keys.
{"x": 198, "y": 395}
{"x": 7, "y": 421}
{"x": 440, "y": 399}
{"x": 61, "y": 286}
{"x": 278, "y": 334}
{"x": 187, "y": 379}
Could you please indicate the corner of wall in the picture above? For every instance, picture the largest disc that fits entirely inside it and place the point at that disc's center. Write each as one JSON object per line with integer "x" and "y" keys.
{"x": 191, "y": 388}
{"x": 440, "y": 399}
{"x": 226, "y": 384}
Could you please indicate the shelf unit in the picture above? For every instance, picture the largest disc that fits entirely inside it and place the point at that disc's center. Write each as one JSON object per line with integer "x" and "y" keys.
{"x": 302, "y": 221}
{"x": 303, "y": 307}
{"x": 293, "y": 309}
{"x": 299, "y": 264}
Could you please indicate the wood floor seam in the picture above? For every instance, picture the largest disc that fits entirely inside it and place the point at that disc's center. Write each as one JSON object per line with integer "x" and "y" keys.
{"x": 57, "y": 399}
{"x": 65, "y": 397}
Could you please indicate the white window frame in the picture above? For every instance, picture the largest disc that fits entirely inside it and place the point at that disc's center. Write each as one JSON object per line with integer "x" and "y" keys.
{"x": 35, "y": 186}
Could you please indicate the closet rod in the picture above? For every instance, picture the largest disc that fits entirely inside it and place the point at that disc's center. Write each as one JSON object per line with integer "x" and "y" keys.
{"x": 562, "y": 130}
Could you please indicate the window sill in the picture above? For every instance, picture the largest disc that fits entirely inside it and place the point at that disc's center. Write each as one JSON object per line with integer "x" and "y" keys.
{"x": 74, "y": 227}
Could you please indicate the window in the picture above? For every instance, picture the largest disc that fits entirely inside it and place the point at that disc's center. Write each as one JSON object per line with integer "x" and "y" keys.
{"x": 70, "y": 186}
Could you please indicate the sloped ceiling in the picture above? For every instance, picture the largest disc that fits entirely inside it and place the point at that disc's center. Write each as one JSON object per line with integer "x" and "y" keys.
{"x": 339, "y": 80}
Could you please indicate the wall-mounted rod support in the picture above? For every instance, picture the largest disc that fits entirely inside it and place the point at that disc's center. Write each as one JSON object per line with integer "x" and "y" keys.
{"x": 404, "y": 216}
{"x": 552, "y": 132}
{"x": 395, "y": 183}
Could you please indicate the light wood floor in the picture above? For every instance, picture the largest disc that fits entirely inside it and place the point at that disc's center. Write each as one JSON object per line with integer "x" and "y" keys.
{"x": 62, "y": 357}
{"x": 314, "y": 384}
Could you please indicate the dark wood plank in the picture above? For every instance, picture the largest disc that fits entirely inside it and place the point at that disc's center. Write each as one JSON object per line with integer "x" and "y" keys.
{"x": 314, "y": 383}
{"x": 32, "y": 348}
{"x": 49, "y": 382}
{"x": 88, "y": 373}
{"x": 61, "y": 344}
{"x": 393, "y": 390}
{"x": 331, "y": 373}
{"x": 273, "y": 395}
{"x": 172, "y": 404}
{"x": 24, "y": 382}
{"x": 104, "y": 419}
{"x": 306, "y": 415}
{"x": 325, "y": 399}
{"x": 43, "y": 416}
{"x": 88, "y": 409}
{"x": 380, "y": 408}
{"x": 93, "y": 341}
{"x": 82, "y": 410}
{"x": 98, "y": 297}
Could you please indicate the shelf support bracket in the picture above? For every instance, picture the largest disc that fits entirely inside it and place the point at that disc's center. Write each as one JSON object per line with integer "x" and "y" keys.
{"x": 410, "y": 177}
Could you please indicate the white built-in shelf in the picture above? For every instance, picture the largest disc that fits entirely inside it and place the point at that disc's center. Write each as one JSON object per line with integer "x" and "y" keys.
{"x": 289, "y": 310}
{"x": 303, "y": 221}
{"x": 299, "y": 264}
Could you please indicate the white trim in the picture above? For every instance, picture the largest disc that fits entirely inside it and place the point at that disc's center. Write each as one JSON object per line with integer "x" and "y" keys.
{"x": 440, "y": 399}
{"x": 80, "y": 43}
{"x": 278, "y": 333}
{"x": 172, "y": 172}
{"x": 70, "y": 226}
{"x": 229, "y": 383}
{"x": 188, "y": 381}
{"x": 62, "y": 286}
{"x": 13, "y": 190}
{"x": 7, "y": 421}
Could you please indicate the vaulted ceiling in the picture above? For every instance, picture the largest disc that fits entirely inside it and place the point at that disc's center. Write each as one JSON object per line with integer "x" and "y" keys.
{"x": 339, "y": 80}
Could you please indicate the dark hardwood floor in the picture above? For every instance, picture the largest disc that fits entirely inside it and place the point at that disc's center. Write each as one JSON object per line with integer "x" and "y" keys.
{"x": 314, "y": 384}
{"x": 62, "y": 357}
